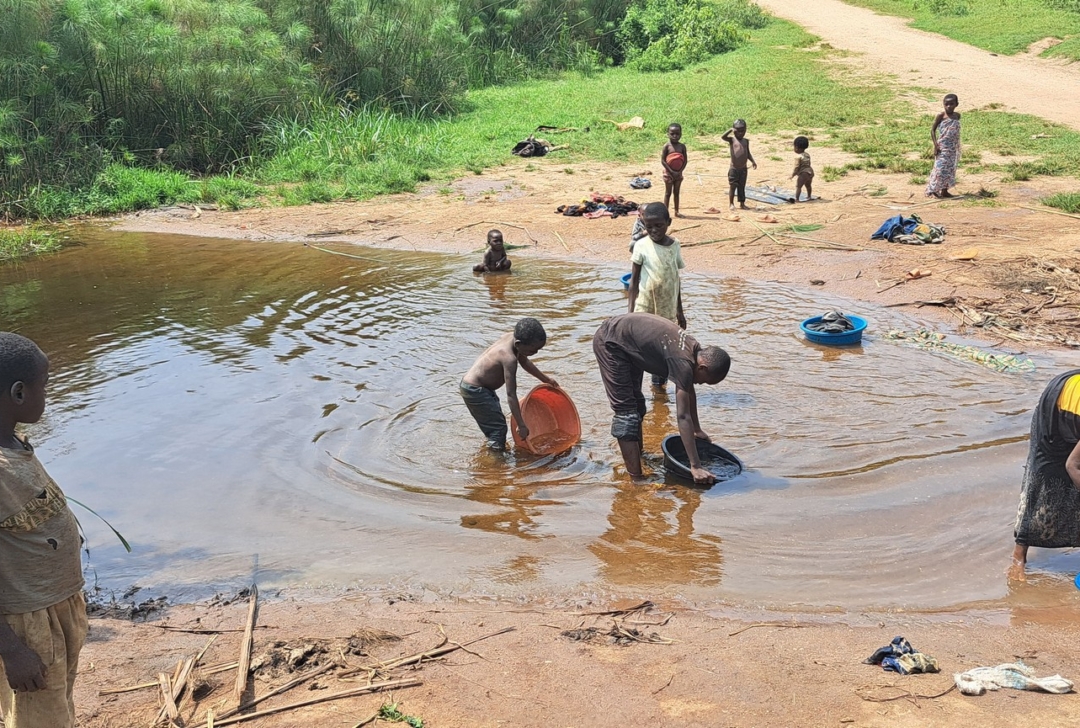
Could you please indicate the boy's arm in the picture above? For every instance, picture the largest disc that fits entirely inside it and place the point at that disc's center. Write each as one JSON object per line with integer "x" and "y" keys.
{"x": 510, "y": 375}
{"x": 24, "y": 668}
{"x": 798, "y": 163}
{"x": 933, "y": 131}
{"x": 686, "y": 406}
{"x": 1072, "y": 465}
{"x": 531, "y": 369}
{"x": 679, "y": 315}
{"x": 749, "y": 154}
{"x": 726, "y": 136}
{"x": 635, "y": 282}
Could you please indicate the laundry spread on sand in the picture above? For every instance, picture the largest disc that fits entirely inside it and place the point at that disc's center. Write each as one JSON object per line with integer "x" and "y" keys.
{"x": 935, "y": 341}
{"x": 899, "y": 656}
{"x": 909, "y": 231}
{"x": 599, "y": 205}
{"x": 1014, "y": 675}
{"x": 533, "y": 147}
{"x": 772, "y": 195}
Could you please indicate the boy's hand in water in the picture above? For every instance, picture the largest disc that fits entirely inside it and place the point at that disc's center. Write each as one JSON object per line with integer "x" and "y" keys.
{"x": 702, "y": 476}
{"x": 700, "y": 434}
{"x": 524, "y": 432}
{"x": 681, "y": 320}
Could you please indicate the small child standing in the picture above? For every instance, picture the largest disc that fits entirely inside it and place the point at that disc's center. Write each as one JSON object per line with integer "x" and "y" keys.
{"x": 945, "y": 134}
{"x": 42, "y": 610}
{"x": 740, "y": 155}
{"x": 495, "y": 259}
{"x": 673, "y": 159}
{"x": 803, "y": 172}
{"x": 654, "y": 280}
{"x": 498, "y": 366}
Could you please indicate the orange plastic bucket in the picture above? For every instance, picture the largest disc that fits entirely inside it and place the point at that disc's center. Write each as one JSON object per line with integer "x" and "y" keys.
{"x": 552, "y": 419}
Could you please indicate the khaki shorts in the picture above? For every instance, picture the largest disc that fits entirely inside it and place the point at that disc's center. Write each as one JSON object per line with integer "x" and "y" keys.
{"x": 57, "y": 635}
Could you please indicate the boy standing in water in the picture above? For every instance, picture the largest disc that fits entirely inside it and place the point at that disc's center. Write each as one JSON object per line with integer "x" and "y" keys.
{"x": 497, "y": 366}
{"x": 495, "y": 259}
{"x": 803, "y": 173}
{"x": 740, "y": 155}
{"x": 654, "y": 281}
{"x": 673, "y": 159}
{"x": 42, "y": 611}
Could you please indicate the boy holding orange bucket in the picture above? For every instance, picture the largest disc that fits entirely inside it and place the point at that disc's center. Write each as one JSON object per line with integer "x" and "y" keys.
{"x": 498, "y": 366}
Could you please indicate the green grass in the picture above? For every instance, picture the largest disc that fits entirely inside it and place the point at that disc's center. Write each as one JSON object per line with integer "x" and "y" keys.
{"x": 21, "y": 242}
{"x": 1067, "y": 201}
{"x": 999, "y": 26}
{"x": 358, "y": 154}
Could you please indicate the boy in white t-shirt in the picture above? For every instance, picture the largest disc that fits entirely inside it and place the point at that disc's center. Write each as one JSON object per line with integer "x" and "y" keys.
{"x": 654, "y": 279}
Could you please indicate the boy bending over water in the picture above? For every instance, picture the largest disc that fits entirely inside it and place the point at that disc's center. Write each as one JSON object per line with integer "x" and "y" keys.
{"x": 495, "y": 259}
{"x": 497, "y": 366}
{"x": 42, "y": 610}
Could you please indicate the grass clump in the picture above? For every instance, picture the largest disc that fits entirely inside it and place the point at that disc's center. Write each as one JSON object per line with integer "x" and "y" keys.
{"x": 1065, "y": 201}
{"x": 21, "y": 242}
{"x": 1000, "y": 26}
{"x": 390, "y": 712}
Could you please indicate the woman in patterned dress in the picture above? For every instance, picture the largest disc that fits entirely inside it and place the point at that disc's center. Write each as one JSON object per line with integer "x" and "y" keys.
{"x": 1049, "y": 511}
{"x": 946, "y": 136}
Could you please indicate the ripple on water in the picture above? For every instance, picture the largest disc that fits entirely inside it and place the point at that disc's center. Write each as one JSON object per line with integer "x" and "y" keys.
{"x": 271, "y": 409}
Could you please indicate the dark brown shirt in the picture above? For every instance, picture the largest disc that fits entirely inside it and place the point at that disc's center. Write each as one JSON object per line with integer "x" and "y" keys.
{"x": 654, "y": 345}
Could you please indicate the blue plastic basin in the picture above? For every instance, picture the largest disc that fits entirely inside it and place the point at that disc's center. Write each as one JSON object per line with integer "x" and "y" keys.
{"x": 626, "y": 281}
{"x": 848, "y": 337}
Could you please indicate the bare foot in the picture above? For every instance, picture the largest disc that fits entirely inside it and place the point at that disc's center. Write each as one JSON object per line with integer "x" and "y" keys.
{"x": 678, "y": 214}
{"x": 946, "y": 193}
{"x": 742, "y": 206}
{"x": 1017, "y": 571}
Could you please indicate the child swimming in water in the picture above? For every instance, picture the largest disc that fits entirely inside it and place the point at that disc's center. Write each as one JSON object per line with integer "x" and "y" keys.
{"x": 495, "y": 259}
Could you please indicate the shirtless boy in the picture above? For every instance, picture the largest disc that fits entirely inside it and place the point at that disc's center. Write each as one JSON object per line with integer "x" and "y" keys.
{"x": 673, "y": 177}
{"x": 498, "y": 366}
{"x": 740, "y": 155}
{"x": 495, "y": 259}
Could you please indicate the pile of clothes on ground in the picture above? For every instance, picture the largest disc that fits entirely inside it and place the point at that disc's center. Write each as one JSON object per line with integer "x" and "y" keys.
{"x": 909, "y": 231}
{"x": 599, "y": 205}
{"x": 832, "y": 322}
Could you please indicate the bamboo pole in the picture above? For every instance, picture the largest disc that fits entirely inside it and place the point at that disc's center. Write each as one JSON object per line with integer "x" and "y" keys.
{"x": 245, "y": 647}
{"x": 362, "y": 690}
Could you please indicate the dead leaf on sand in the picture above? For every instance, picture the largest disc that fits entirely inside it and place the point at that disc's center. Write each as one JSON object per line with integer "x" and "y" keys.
{"x": 967, "y": 254}
{"x": 767, "y": 218}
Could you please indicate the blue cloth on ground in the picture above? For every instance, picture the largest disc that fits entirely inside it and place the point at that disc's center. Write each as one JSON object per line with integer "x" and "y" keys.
{"x": 894, "y": 226}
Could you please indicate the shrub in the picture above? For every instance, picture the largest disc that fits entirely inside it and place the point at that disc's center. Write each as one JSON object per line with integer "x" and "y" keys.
{"x": 665, "y": 35}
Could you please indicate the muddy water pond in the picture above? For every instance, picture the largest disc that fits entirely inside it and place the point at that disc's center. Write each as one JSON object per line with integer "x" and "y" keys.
{"x": 269, "y": 411}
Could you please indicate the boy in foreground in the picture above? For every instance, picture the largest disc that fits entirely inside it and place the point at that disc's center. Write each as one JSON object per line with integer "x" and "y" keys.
{"x": 42, "y": 611}
{"x": 629, "y": 345}
{"x": 495, "y": 258}
{"x": 740, "y": 155}
{"x": 497, "y": 366}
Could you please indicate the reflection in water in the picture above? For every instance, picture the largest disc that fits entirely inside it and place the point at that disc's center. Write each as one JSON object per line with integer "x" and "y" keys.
{"x": 248, "y": 410}
{"x": 652, "y": 541}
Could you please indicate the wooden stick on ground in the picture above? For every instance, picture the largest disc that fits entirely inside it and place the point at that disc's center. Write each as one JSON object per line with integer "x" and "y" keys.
{"x": 562, "y": 241}
{"x": 362, "y": 690}
{"x": 763, "y": 232}
{"x": 279, "y": 690}
{"x": 766, "y": 624}
{"x": 245, "y": 647}
{"x": 1052, "y": 212}
{"x": 169, "y": 704}
{"x": 176, "y": 687}
{"x": 442, "y": 649}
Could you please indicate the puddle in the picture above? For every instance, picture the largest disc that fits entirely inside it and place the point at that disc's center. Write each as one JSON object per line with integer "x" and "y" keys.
{"x": 250, "y": 410}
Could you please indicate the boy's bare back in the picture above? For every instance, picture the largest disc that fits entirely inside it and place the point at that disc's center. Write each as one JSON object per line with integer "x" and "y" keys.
{"x": 491, "y": 368}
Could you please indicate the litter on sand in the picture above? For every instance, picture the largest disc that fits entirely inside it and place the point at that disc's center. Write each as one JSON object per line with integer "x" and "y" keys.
{"x": 1014, "y": 675}
{"x": 636, "y": 123}
{"x": 934, "y": 341}
{"x": 533, "y": 147}
{"x": 899, "y": 656}
{"x": 771, "y": 195}
{"x": 641, "y": 183}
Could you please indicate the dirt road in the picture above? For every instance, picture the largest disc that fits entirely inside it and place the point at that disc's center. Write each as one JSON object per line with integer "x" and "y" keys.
{"x": 1024, "y": 83}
